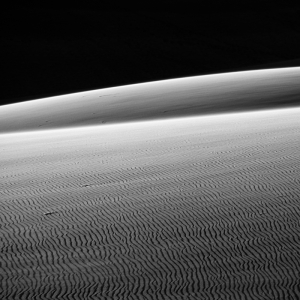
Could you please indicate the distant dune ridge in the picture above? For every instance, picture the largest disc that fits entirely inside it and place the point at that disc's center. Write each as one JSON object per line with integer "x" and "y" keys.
{"x": 179, "y": 206}
{"x": 209, "y": 94}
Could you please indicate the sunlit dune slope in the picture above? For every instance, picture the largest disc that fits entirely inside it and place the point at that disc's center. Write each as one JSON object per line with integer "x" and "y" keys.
{"x": 191, "y": 208}
{"x": 158, "y": 100}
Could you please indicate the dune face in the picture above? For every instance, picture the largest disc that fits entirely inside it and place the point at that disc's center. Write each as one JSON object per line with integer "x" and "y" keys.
{"x": 194, "y": 208}
{"x": 227, "y": 92}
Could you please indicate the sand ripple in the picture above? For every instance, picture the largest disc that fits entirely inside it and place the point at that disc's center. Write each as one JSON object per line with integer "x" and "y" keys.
{"x": 192, "y": 210}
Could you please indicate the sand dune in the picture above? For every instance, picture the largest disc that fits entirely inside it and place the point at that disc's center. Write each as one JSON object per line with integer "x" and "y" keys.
{"x": 200, "y": 95}
{"x": 192, "y": 208}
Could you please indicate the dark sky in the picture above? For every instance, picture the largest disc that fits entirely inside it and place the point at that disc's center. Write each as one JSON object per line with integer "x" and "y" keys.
{"x": 51, "y": 50}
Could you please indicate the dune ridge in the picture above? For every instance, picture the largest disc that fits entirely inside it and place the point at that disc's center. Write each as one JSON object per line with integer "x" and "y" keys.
{"x": 191, "y": 96}
{"x": 193, "y": 208}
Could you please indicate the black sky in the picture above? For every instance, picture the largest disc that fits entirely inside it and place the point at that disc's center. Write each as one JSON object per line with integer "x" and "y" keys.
{"x": 51, "y": 50}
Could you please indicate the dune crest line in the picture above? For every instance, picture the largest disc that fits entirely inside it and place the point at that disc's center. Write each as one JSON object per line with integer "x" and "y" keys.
{"x": 191, "y": 96}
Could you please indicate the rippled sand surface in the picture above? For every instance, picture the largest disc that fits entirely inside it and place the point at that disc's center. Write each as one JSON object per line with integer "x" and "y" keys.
{"x": 194, "y": 208}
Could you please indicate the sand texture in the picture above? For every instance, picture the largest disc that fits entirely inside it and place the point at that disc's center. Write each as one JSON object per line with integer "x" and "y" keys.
{"x": 191, "y": 96}
{"x": 193, "y": 208}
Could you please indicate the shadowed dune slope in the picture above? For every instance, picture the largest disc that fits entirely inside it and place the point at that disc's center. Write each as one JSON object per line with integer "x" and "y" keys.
{"x": 163, "y": 99}
{"x": 192, "y": 208}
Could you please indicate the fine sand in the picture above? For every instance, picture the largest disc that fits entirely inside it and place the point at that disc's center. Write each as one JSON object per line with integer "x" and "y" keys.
{"x": 193, "y": 208}
{"x": 240, "y": 91}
